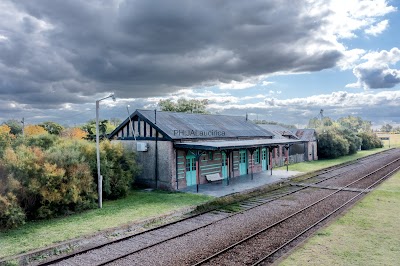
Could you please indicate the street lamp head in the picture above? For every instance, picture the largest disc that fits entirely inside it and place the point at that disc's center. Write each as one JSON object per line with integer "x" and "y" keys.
{"x": 113, "y": 97}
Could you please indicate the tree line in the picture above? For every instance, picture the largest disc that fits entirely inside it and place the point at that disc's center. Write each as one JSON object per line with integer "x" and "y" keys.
{"x": 344, "y": 136}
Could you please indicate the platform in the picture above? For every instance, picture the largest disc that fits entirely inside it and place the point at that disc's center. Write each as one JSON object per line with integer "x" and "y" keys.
{"x": 241, "y": 183}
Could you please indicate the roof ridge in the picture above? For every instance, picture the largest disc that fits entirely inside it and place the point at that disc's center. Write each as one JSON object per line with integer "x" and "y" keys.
{"x": 191, "y": 113}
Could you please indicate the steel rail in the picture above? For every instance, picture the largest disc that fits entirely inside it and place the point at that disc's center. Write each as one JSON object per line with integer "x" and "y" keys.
{"x": 213, "y": 222}
{"x": 322, "y": 219}
{"x": 80, "y": 252}
{"x": 288, "y": 217}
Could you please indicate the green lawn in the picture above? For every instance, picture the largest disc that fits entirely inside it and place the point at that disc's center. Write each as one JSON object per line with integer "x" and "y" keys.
{"x": 367, "y": 235}
{"x": 137, "y": 206}
{"x": 323, "y": 163}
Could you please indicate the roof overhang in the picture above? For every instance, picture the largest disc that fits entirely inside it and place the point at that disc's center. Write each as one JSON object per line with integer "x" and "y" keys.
{"x": 235, "y": 144}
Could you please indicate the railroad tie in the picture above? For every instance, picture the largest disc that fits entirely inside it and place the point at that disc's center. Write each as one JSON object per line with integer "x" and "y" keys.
{"x": 331, "y": 187}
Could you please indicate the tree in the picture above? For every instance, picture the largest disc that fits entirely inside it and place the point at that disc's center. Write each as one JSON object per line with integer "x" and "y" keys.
{"x": 31, "y": 130}
{"x": 5, "y": 129}
{"x": 5, "y": 138}
{"x": 115, "y": 121}
{"x": 185, "y": 106}
{"x": 352, "y": 138}
{"x": 317, "y": 123}
{"x": 353, "y": 123}
{"x": 52, "y": 127}
{"x": 15, "y": 126}
{"x": 331, "y": 144}
{"x": 370, "y": 140}
{"x": 74, "y": 133}
{"x": 386, "y": 128}
{"x": 104, "y": 128}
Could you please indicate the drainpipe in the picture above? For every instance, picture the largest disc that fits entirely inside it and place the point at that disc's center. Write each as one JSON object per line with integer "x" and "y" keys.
{"x": 176, "y": 169}
{"x": 270, "y": 158}
{"x": 156, "y": 155}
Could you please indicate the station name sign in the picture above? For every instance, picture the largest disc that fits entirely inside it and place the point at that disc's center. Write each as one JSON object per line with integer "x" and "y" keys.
{"x": 384, "y": 138}
{"x": 199, "y": 133}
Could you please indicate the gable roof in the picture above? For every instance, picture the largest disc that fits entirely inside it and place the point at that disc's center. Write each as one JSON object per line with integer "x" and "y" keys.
{"x": 278, "y": 131}
{"x": 176, "y": 126}
{"x": 307, "y": 134}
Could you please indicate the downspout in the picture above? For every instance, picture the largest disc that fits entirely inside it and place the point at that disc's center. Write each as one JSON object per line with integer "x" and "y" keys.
{"x": 176, "y": 169}
{"x": 270, "y": 158}
{"x": 156, "y": 168}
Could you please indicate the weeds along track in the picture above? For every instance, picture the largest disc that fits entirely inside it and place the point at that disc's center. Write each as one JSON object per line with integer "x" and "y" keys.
{"x": 165, "y": 238}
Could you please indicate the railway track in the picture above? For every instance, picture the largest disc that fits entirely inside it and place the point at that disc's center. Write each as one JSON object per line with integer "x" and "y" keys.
{"x": 122, "y": 248}
{"x": 223, "y": 257}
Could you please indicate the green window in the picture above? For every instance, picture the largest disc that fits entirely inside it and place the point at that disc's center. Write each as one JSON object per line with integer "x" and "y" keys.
{"x": 257, "y": 156}
{"x": 210, "y": 155}
{"x": 190, "y": 164}
{"x": 242, "y": 157}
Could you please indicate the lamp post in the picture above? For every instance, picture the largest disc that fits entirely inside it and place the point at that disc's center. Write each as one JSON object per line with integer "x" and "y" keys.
{"x": 99, "y": 177}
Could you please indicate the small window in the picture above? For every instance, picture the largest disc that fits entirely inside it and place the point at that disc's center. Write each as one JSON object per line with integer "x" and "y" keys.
{"x": 210, "y": 155}
{"x": 257, "y": 156}
{"x": 188, "y": 165}
{"x": 242, "y": 157}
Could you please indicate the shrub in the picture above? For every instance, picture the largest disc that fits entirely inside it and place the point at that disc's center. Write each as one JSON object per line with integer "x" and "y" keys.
{"x": 119, "y": 169}
{"x": 11, "y": 214}
{"x": 353, "y": 140}
{"x": 370, "y": 141}
{"x": 332, "y": 144}
{"x": 54, "y": 182}
{"x": 44, "y": 141}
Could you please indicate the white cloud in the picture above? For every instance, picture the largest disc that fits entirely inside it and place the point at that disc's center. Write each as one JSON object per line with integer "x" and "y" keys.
{"x": 236, "y": 85}
{"x": 266, "y": 83}
{"x": 385, "y": 57}
{"x": 352, "y": 15}
{"x": 350, "y": 58}
{"x": 378, "y": 28}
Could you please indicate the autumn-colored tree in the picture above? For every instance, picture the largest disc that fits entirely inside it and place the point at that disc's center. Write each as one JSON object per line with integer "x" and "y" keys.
{"x": 74, "y": 133}
{"x": 15, "y": 125}
{"x": 31, "y": 130}
{"x": 53, "y": 182}
{"x": 5, "y": 129}
{"x": 5, "y": 138}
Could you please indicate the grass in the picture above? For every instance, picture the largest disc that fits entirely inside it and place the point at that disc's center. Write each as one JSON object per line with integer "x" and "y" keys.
{"x": 137, "y": 206}
{"x": 323, "y": 163}
{"x": 366, "y": 235}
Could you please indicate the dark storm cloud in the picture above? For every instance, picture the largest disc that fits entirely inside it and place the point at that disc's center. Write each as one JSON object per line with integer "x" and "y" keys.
{"x": 59, "y": 51}
{"x": 377, "y": 76}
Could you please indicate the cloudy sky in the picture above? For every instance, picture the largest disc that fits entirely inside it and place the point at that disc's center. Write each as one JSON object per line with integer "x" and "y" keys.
{"x": 279, "y": 60}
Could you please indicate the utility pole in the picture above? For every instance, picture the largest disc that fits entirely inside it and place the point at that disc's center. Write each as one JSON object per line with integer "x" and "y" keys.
{"x": 23, "y": 126}
{"x": 99, "y": 177}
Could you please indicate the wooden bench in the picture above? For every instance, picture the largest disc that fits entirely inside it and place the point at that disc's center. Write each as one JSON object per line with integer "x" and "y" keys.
{"x": 214, "y": 177}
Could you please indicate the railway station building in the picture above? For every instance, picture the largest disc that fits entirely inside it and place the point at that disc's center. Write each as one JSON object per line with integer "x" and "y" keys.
{"x": 177, "y": 150}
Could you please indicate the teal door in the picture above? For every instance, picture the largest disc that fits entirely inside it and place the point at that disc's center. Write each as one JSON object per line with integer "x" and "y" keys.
{"x": 264, "y": 159}
{"x": 242, "y": 162}
{"x": 224, "y": 166}
{"x": 190, "y": 170}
